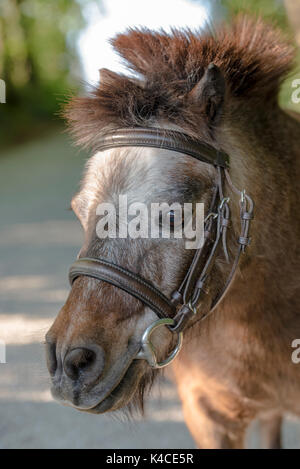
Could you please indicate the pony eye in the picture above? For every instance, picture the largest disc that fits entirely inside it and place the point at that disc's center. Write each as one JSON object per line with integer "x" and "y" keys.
{"x": 171, "y": 215}
{"x": 168, "y": 216}
{"x": 170, "y": 219}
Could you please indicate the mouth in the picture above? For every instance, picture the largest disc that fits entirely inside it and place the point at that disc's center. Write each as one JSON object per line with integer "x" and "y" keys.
{"x": 122, "y": 392}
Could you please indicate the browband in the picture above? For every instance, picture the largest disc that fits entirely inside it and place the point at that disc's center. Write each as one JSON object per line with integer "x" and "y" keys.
{"x": 165, "y": 139}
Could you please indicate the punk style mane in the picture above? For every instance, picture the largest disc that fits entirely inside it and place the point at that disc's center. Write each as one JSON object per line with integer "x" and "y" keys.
{"x": 253, "y": 56}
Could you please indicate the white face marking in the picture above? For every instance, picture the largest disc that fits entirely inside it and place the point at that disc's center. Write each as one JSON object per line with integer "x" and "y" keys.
{"x": 138, "y": 162}
{"x": 139, "y": 173}
{"x": 136, "y": 172}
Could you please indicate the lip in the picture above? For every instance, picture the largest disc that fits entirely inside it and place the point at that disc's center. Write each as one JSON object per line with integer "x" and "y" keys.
{"x": 123, "y": 391}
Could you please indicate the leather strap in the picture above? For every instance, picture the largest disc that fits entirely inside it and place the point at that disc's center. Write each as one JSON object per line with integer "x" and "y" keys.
{"x": 133, "y": 284}
{"x": 167, "y": 140}
{"x": 189, "y": 307}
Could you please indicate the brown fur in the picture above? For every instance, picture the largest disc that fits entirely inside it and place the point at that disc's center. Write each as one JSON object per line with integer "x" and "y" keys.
{"x": 237, "y": 365}
{"x": 253, "y": 57}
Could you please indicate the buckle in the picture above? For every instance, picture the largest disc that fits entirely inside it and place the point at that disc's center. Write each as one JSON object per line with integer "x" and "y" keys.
{"x": 224, "y": 201}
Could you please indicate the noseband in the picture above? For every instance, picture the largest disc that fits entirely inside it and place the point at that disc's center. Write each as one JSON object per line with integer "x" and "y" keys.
{"x": 176, "y": 313}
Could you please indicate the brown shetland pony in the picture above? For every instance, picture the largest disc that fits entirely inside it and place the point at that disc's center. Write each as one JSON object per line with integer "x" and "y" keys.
{"x": 236, "y": 365}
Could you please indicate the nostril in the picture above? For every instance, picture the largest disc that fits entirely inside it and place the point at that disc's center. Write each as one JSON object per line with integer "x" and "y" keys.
{"x": 84, "y": 363}
{"x": 51, "y": 357}
{"x": 77, "y": 361}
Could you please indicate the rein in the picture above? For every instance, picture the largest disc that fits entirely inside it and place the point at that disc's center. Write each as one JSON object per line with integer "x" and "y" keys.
{"x": 178, "y": 312}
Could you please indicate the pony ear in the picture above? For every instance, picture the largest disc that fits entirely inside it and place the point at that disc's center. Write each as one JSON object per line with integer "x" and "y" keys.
{"x": 209, "y": 93}
{"x": 107, "y": 76}
{"x": 80, "y": 209}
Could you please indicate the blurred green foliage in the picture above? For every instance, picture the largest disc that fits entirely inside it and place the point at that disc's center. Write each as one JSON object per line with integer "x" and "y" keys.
{"x": 273, "y": 11}
{"x": 38, "y": 61}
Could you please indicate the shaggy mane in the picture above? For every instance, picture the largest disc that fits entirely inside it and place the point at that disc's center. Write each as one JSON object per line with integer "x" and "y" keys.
{"x": 253, "y": 56}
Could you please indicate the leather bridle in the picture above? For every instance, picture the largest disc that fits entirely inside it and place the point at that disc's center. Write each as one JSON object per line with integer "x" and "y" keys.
{"x": 176, "y": 313}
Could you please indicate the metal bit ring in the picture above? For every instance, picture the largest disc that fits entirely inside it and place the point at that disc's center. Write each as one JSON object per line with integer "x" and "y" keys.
{"x": 147, "y": 351}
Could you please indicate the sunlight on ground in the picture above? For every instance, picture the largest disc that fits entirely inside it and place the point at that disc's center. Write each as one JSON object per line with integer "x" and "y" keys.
{"x": 48, "y": 232}
{"x": 33, "y": 288}
{"x": 27, "y": 396}
{"x": 22, "y": 329}
{"x": 45, "y": 296}
{"x": 15, "y": 282}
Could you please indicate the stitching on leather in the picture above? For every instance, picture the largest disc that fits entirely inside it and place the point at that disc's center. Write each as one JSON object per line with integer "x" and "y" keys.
{"x": 153, "y": 305}
{"x": 170, "y": 146}
{"x": 174, "y": 141}
{"x": 133, "y": 276}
